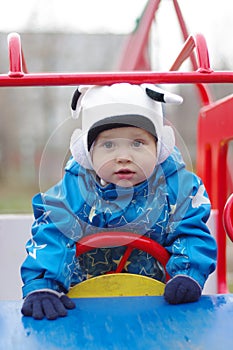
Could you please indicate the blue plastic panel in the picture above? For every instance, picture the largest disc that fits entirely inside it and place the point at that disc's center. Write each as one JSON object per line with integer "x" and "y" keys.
{"x": 143, "y": 323}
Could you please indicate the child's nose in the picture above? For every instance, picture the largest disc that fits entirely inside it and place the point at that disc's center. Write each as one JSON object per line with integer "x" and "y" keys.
{"x": 124, "y": 158}
{"x": 123, "y": 152}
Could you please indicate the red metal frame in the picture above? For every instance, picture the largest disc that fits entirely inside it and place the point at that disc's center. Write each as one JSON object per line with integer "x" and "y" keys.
{"x": 215, "y": 130}
{"x": 197, "y": 42}
{"x": 135, "y": 54}
{"x": 129, "y": 239}
{"x": 18, "y": 75}
{"x": 212, "y": 150}
{"x": 16, "y": 57}
{"x": 228, "y": 217}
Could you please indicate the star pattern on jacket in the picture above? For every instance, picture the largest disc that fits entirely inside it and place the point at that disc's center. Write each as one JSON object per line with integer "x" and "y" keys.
{"x": 163, "y": 221}
{"x": 68, "y": 269}
{"x": 75, "y": 232}
{"x": 117, "y": 261}
{"x": 43, "y": 219}
{"x": 102, "y": 258}
{"x": 33, "y": 247}
{"x": 199, "y": 198}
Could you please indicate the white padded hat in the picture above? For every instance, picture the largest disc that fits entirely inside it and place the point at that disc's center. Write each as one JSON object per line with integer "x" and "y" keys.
{"x": 104, "y": 105}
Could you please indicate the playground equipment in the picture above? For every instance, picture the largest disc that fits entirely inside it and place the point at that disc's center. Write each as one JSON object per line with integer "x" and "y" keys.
{"x": 143, "y": 321}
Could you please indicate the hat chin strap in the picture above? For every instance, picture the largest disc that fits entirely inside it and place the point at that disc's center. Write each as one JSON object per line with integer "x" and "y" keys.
{"x": 165, "y": 146}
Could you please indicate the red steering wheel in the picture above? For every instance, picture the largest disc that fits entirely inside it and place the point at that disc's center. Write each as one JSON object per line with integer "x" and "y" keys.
{"x": 228, "y": 217}
{"x": 129, "y": 239}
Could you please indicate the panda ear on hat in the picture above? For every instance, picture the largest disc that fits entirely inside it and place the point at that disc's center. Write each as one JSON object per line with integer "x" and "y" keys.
{"x": 77, "y": 99}
{"x": 166, "y": 141}
{"x": 74, "y": 101}
{"x": 77, "y": 141}
{"x": 160, "y": 95}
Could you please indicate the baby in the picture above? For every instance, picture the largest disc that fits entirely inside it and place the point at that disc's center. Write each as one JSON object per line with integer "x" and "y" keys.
{"x": 125, "y": 174}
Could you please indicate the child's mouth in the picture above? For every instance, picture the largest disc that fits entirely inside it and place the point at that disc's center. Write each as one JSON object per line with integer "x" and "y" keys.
{"x": 126, "y": 174}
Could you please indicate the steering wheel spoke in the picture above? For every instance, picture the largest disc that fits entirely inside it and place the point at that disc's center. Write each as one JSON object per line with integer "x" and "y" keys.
{"x": 128, "y": 239}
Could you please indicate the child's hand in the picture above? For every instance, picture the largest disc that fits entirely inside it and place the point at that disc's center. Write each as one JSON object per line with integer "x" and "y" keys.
{"x": 48, "y": 304}
{"x": 182, "y": 289}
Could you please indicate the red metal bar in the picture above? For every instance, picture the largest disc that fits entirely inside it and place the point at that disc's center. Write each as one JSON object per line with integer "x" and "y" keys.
{"x": 16, "y": 56}
{"x": 221, "y": 200}
{"x": 134, "y": 55}
{"x": 202, "y": 89}
{"x": 194, "y": 41}
{"x": 228, "y": 217}
{"x": 24, "y": 63}
{"x": 197, "y": 42}
{"x": 55, "y": 79}
{"x": 184, "y": 30}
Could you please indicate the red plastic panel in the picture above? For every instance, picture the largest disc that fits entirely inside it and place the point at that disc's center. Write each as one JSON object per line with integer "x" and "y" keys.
{"x": 215, "y": 130}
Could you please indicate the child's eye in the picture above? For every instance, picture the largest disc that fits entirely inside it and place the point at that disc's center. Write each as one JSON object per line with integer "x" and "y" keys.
{"x": 108, "y": 144}
{"x": 137, "y": 143}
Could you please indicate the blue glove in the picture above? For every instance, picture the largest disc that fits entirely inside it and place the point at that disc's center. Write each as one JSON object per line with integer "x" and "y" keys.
{"x": 182, "y": 289}
{"x": 49, "y": 304}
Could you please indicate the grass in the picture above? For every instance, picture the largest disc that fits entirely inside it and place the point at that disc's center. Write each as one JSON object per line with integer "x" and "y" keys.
{"x": 15, "y": 198}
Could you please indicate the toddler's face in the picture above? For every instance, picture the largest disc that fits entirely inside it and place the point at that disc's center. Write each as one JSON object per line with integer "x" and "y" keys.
{"x": 124, "y": 156}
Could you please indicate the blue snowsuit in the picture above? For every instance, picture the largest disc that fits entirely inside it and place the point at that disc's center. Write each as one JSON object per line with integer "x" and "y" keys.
{"x": 171, "y": 207}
